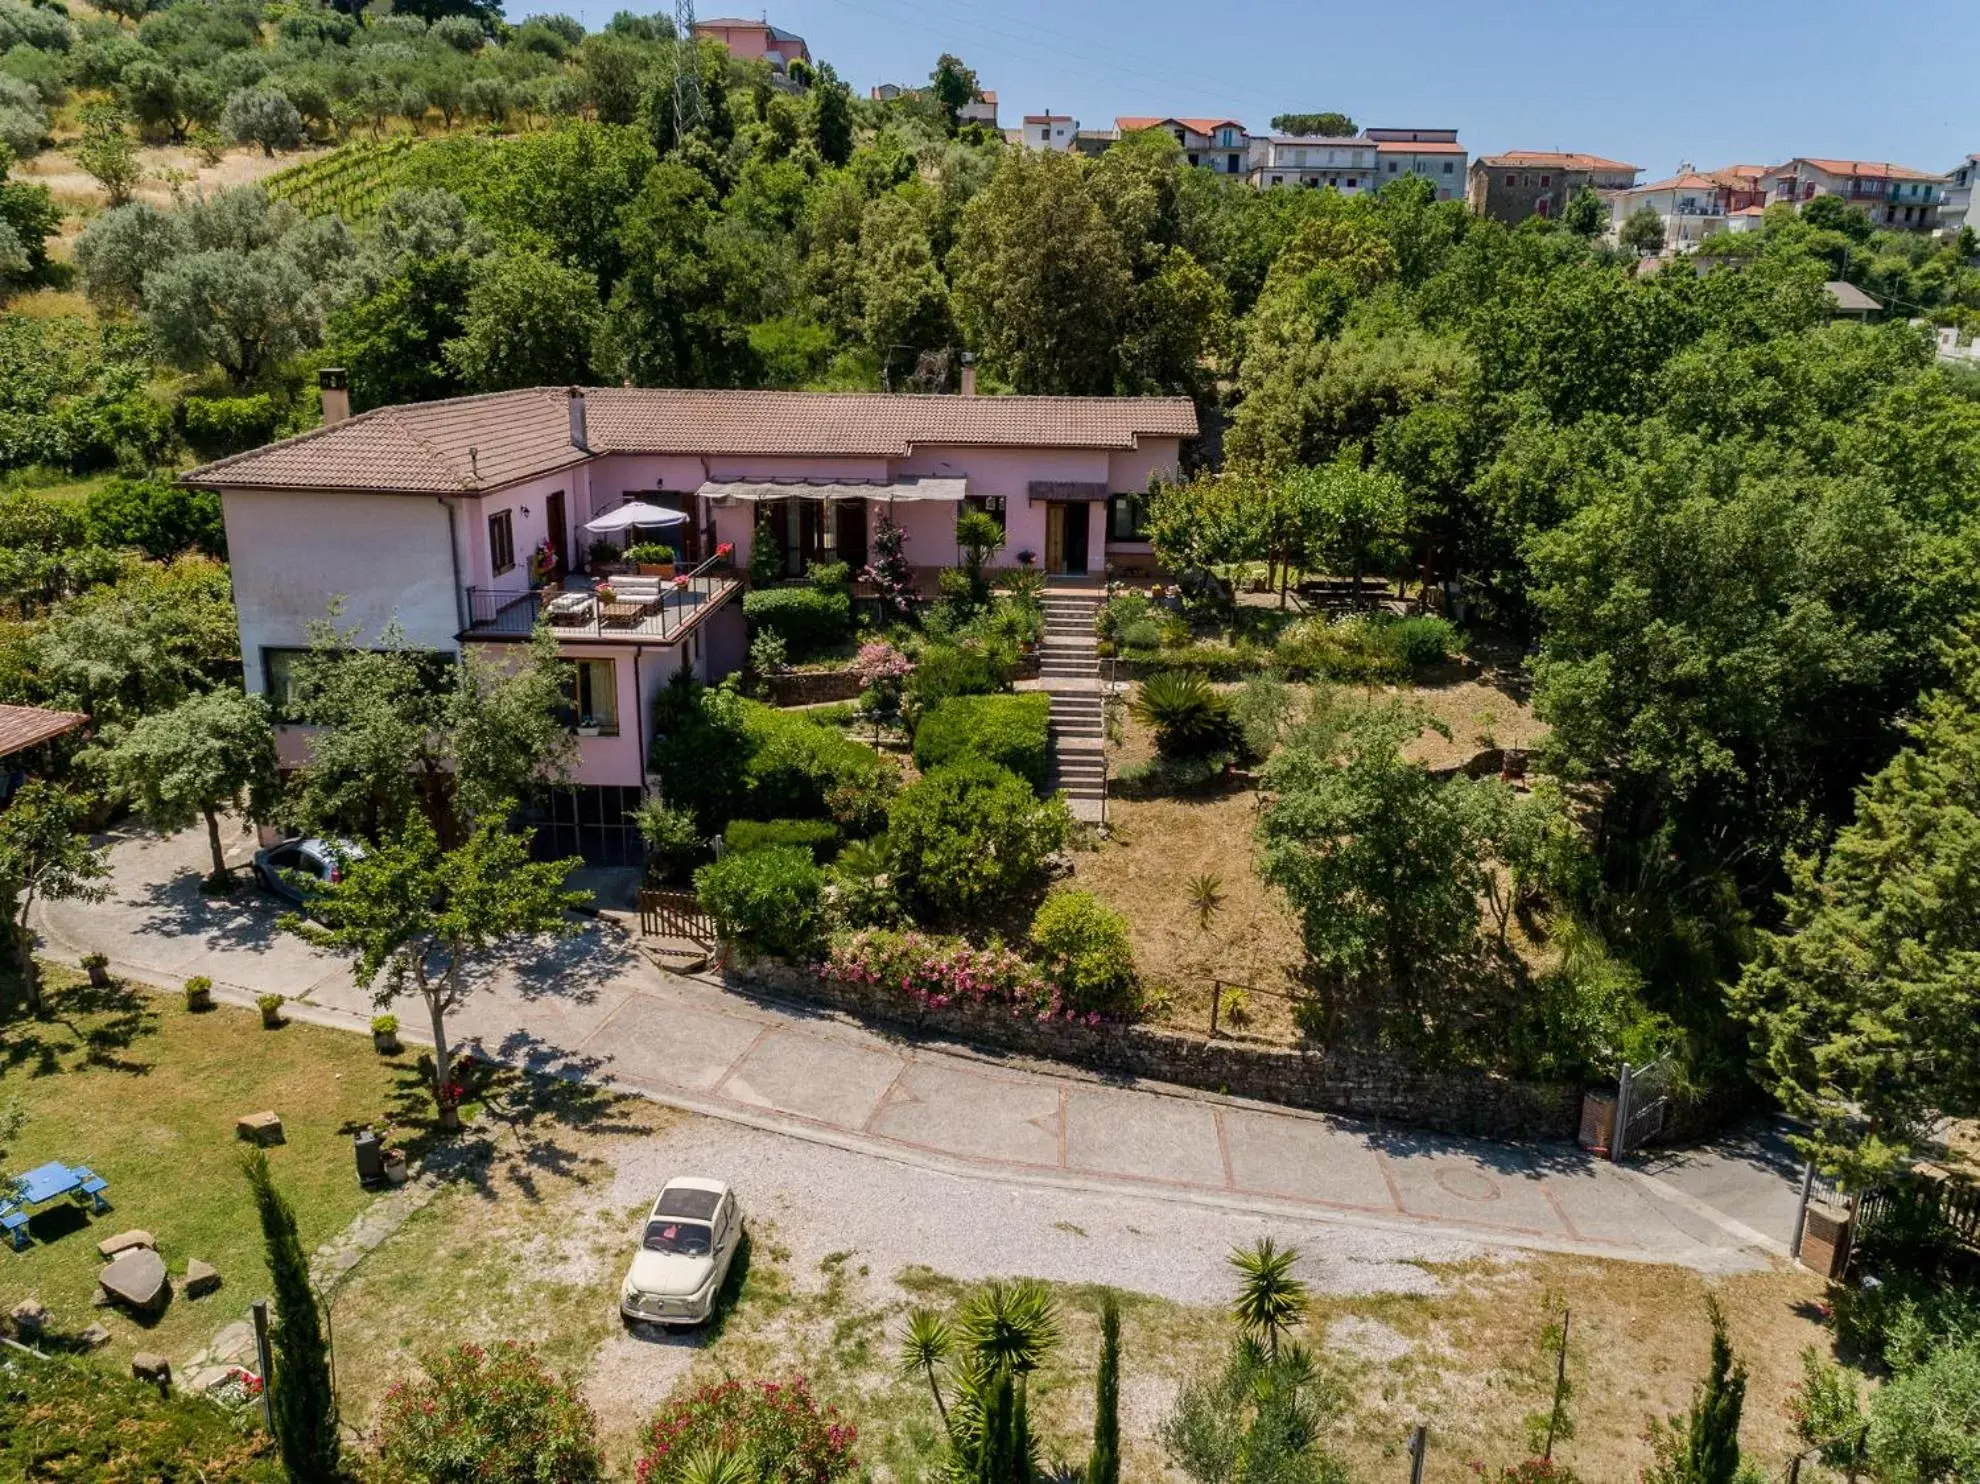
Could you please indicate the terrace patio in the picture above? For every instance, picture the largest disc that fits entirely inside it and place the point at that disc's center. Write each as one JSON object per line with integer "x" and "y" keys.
{"x": 645, "y": 610}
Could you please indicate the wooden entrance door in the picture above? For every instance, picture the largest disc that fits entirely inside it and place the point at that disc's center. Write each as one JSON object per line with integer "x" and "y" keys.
{"x": 1055, "y": 537}
{"x": 559, "y": 533}
{"x": 849, "y": 532}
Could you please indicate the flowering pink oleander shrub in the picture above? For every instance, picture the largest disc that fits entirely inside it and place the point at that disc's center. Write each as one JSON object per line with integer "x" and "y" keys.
{"x": 777, "y": 1425}
{"x": 489, "y": 1416}
{"x": 934, "y": 972}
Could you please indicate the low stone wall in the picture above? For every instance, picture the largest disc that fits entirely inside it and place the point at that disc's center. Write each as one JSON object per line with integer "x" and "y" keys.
{"x": 813, "y": 687}
{"x": 1362, "y": 1086}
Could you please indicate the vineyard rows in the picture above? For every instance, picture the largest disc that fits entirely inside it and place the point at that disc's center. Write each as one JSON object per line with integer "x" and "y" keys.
{"x": 353, "y": 180}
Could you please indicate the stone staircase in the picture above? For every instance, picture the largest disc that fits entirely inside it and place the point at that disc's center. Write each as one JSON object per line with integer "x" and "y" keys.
{"x": 1069, "y": 672}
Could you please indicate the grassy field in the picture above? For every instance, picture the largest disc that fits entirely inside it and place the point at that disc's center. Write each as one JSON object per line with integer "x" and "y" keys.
{"x": 146, "y": 1094}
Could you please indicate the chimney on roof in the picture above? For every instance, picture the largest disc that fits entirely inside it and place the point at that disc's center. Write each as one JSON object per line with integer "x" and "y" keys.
{"x": 334, "y": 384}
{"x": 969, "y": 373}
{"x": 579, "y": 437}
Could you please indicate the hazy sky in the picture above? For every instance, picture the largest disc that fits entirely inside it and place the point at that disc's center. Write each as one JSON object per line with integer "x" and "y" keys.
{"x": 1710, "y": 81}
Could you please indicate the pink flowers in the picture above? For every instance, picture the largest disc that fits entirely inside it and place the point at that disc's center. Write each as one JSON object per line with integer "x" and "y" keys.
{"x": 880, "y": 662}
{"x": 938, "y": 972}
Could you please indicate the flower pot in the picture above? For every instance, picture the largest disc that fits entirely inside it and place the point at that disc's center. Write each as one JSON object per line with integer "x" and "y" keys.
{"x": 99, "y": 975}
{"x": 656, "y": 569}
{"x": 589, "y": 732}
{"x": 272, "y": 1019}
{"x": 395, "y": 1167}
{"x": 199, "y": 999}
{"x": 386, "y": 1042}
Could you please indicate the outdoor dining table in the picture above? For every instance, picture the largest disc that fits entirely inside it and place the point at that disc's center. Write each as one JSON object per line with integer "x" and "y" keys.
{"x": 47, "y": 1183}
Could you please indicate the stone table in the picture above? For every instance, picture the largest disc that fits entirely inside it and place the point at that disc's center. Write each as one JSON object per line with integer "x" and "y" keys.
{"x": 136, "y": 1278}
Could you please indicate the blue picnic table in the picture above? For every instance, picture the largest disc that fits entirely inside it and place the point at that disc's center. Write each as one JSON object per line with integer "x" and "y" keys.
{"x": 45, "y": 1183}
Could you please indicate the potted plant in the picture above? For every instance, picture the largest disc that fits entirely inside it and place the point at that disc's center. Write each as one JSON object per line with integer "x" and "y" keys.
{"x": 271, "y": 1011}
{"x": 652, "y": 558}
{"x": 385, "y": 1034}
{"x": 199, "y": 993}
{"x": 543, "y": 564}
{"x": 395, "y": 1166}
{"x": 605, "y": 593}
{"x": 97, "y": 966}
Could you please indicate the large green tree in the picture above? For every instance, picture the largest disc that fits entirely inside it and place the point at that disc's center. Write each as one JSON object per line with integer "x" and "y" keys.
{"x": 1041, "y": 278}
{"x": 44, "y": 852}
{"x": 529, "y": 321}
{"x": 1867, "y": 999}
{"x": 209, "y": 754}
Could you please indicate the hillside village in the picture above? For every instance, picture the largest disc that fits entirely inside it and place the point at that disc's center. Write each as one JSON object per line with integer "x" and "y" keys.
{"x": 715, "y": 776}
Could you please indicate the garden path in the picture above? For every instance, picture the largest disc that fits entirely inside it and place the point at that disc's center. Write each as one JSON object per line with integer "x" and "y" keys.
{"x": 593, "y": 1007}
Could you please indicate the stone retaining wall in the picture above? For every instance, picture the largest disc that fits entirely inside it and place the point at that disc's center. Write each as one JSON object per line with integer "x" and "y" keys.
{"x": 817, "y": 687}
{"x": 1364, "y": 1086}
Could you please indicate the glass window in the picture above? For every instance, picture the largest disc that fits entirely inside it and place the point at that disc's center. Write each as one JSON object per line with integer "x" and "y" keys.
{"x": 1546, "y": 180}
{"x": 990, "y": 505}
{"x": 278, "y": 678}
{"x": 1127, "y": 518}
{"x": 1449, "y": 167}
{"x": 591, "y": 690}
{"x": 501, "y": 541}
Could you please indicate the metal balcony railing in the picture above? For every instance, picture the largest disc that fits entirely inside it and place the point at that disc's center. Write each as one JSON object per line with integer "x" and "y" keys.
{"x": 580, "y": 613}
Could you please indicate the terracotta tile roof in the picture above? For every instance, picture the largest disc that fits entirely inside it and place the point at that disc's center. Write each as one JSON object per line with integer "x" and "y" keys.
{"x": 21, "y": 727}
{"x": 1419, "y": 147}
{"x": 1750, "y": 211}
{"x": 1692, "y": 182}
{"x": 467, "y": 444}
{"x": 1566, "y": 161}
{"x": 1866, "y": 169}
{"x": 1195, "y": 126}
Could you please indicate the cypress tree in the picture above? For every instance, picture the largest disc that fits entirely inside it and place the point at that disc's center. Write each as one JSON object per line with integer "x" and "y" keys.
{"x": 1103, "y": 1465}
{"x": 304, "y": 1407}
{"x": 1702, "y": 1446}
{"x": 1003, "y": 1453}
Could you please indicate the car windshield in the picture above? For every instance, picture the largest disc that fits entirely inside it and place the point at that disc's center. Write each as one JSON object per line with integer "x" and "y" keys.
{"x": 681, "y": 1238}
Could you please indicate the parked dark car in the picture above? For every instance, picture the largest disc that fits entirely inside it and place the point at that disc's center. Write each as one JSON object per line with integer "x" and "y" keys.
{"x": 288, "y": 869}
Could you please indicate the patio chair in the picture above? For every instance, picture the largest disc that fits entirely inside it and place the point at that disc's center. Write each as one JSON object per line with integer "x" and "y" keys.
{"x": 645, "y": 591}
{"x": 14, "y": 1221}
{"x": 568, "y": 608}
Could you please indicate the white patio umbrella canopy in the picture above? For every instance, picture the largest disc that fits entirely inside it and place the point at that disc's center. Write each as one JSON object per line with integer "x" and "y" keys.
{"x": 633, "y": 514}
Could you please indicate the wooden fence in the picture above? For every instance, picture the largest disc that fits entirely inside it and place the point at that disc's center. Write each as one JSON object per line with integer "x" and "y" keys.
{"x": 1956, "y": 1207}
{"x": 675, "y": 914}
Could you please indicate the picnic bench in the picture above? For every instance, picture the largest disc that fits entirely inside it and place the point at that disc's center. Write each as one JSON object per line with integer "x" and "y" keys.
{"x": 46, "y": 1183}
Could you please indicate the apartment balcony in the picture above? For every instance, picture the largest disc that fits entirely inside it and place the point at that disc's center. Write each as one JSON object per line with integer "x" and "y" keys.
{"x": 649, "y": 611}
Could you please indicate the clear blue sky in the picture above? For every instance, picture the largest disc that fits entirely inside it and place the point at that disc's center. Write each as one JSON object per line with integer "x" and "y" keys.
{"x": 1710, "y": 81}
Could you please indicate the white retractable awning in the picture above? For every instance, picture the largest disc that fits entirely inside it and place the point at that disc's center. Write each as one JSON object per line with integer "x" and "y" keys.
{"x": 749, "y": 491}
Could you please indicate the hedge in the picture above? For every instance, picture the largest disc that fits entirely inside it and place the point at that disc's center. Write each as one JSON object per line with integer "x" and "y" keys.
{"x": 1007, "y": 730}
{"x": 809, "y": 619}
{"x": 818, "y": 836}
{"x": 970, "y": 835}
{"x": 1082, "y": 943}
{"x": 766, "y": 900}
{"x": 795, "y": 765}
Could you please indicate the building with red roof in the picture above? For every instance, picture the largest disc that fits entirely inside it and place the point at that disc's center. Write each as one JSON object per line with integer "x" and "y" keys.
{"x": 1890, "y": 195}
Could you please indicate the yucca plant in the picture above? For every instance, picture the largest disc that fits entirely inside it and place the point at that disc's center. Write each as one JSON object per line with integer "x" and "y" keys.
{"x": 925, "y": 1349}
{"x": 1190, "y": 718}
{"x": 1010, "y": 1324}
{"x": 1270, "y": 1299}
{"x": 713, "y": 1466}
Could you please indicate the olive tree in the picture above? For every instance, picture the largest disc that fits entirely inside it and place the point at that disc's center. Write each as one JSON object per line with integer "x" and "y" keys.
{"x": 44, "y": 852}
{"x": 262, "y": 116}
{"x": 244, "y": 311}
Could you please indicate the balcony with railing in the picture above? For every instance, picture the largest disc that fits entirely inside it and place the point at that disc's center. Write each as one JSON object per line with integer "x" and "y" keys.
{"x": 644, "y": 609}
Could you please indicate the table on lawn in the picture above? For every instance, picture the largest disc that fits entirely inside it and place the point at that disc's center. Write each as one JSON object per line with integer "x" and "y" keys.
{"x": 45, "y": 1183}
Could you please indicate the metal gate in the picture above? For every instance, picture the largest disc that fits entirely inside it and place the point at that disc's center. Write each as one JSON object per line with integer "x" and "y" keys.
{"x": 1642, "y": 1100}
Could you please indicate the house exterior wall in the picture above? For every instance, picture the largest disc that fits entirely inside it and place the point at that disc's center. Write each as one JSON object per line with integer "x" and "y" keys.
{"x": 1445, "y": 170}
{"x": 527, "y": 505}
{"x": 387, "y": 556}
{"x": 1055, "y": 133}
{"x": 1347, "y": 165}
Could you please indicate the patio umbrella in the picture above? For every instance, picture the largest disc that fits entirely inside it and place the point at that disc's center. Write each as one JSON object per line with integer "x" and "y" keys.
{"x": 632, "y": 514}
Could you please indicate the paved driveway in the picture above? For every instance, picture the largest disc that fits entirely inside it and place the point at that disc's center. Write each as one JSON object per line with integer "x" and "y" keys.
{"x": 594, "y": 1006}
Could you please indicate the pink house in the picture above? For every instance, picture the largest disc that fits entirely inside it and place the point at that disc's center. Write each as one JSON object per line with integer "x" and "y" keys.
{"x": 752, "y": 39}
{"x": 457, "y": 520}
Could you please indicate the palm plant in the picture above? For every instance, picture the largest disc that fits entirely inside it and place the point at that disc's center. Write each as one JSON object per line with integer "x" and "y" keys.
{"x": 1189, "y": 717}
{"x": 1270, "y": 1299}
{"x": 713, "y": 1466}
{"x": 1206, "y": 897}
{"x": 925, "y": 1349}
{"x": 1010, "y": 1325}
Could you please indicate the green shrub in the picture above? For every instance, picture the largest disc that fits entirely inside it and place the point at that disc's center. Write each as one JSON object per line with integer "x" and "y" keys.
{"x": 499, "y": 1408}
{"x": 74, "y": 1418}
{"x": 1262, "y": 710}
{"x": 158, "y": 516}
{"x": 809, "y": 619}
{"x": 1190, "y": 719}
{"x": 1120, "y": 613}
{"x": 1082, "y": 943}
{"x": 819, "y": 836}
{"x": 795, "y": 765}
{"x": 831, "y": 577}
{"x": 1421, "y": 641}
{"x": 700, "y": 749}
{"x": 650, "y": 553}
{"x": 776, "y": 1431}
{"x": 222, "y": 425}
{"x": 768, "y": 901}
{"x": 673, "y": 839}
{"x": 942, "y": 670}
{"x": 1211, "y": 661}
{"x": 972, "y": 834}
{"x": 1007, "y": 730}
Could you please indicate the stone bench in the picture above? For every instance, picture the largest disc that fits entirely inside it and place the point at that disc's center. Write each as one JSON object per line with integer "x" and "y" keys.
{"x": 124, "y": 1242}
{"x": 259, "y": 1128}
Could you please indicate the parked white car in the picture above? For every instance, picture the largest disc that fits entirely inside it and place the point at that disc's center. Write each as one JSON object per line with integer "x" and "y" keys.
{"x": 685, "y": 1248}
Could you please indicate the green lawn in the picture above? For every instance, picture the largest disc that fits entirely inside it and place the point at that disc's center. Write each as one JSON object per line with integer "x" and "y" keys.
{"x": 145, "y": 1093}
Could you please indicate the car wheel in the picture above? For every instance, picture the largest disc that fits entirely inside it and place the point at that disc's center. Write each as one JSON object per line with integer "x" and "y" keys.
{"x": 261, "y": 879}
